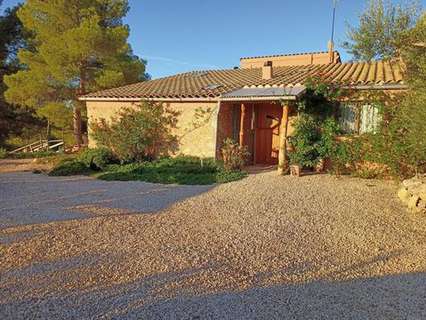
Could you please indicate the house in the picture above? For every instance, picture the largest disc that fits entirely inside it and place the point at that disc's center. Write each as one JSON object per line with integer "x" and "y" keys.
{"x": 253, "y": 103}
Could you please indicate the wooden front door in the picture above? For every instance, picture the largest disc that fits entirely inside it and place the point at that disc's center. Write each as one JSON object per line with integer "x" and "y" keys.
{"x": 268, "y": 117}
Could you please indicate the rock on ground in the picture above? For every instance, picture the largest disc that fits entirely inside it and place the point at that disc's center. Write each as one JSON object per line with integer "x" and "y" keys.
{"x": 412, "y": 193}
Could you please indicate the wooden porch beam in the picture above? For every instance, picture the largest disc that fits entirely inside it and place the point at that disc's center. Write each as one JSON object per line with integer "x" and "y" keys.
{"x": 282, "y": 155}
{"x": 242, "y": 124}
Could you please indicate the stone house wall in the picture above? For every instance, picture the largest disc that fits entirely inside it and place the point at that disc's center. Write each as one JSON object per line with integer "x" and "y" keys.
{"x": 197, "y": 137}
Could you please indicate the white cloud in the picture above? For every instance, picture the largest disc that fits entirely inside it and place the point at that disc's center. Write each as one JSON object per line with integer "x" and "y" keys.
{"x": 179, "y": 62}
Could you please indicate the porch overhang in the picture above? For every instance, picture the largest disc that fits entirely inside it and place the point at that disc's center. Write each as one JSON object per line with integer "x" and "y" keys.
{"x": 264, "y": 94}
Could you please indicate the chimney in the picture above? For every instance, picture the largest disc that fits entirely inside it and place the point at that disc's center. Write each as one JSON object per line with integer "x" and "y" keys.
{"x": 331, "y": 51}
{"x": 267, "y": 70}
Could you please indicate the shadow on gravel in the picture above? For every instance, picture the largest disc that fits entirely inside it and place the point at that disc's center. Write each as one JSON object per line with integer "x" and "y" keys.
{"x": 27, "y": 198}
{"x": 181, "y": 295}
{"x": 391, "y": 297}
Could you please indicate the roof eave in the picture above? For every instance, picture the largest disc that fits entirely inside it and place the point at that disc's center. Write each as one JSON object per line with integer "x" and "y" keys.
{"x": 259, "y": 98}
{"x": 377, "y": 87}
{"x": 252, "y": 98}
{"x": 137, "y": 99}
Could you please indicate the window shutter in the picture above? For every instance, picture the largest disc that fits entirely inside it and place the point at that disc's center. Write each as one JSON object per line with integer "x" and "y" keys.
{"x": 370, "y": 118}
{"x": 347, "y": 118}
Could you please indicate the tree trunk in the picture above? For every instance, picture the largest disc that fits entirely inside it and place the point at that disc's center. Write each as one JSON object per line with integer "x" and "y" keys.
{"x": 282, "y": 155}
{"x": 77, "y": 110}
{"x": 77, "y": 125}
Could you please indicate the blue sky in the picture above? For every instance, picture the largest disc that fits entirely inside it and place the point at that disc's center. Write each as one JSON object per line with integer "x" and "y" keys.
{"x": 177, "y": 36}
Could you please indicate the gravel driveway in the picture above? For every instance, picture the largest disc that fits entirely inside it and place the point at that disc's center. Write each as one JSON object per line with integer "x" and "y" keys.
{"x": 266, "y": 247}
{"x": 28, "y": 198}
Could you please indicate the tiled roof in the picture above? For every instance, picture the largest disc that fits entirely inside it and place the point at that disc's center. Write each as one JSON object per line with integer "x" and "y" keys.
{"x": 213, "y": 83}
{"x": 287, "y": 55}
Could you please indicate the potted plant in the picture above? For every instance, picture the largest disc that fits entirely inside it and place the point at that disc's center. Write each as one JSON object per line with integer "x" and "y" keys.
{"x": 295, "y": 167}
{"x": 320, "y": 166}
{"x": 294, "y": 159}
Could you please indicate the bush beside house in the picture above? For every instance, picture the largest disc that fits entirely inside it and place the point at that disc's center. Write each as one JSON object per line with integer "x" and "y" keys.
{"x": 178, "y": 170}
{"x": 97, "y": 159}
{"x": 138, "y": 134}
{"x": 234, "y": 156}
{"x": 70, "y": 167}
{"x": 137, "y": 145}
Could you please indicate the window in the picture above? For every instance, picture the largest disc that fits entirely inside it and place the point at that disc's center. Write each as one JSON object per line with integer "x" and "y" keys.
{"x": 348, "y": 118}
{"x": 359, "y": 119}
{"x": 369, "y": 119}
{"x": 236, "y": 114}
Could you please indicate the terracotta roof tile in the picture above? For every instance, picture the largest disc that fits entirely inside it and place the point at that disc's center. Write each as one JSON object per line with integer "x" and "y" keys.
{"x": 288, "y": 55}
{"x": 213, "y": 83}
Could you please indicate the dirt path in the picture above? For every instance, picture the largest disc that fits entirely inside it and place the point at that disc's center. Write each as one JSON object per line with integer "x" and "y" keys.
{"x": 266, "y": 247}
{"x": 22, "y": 165}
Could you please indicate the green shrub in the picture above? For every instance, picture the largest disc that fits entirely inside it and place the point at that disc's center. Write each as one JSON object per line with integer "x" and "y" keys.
{"x": 315, "y": 139}
{"x": 234, "y": 156}
{"x": 177, "y": 167}
{"x": 305, "y": 141}
{"x": 329, "y": 131}
{"x": 320, "y": 98}
{"x": 70, "y": 168}
{"x": 345, "y": 155}
{"x": 138, "y": 134}
{"x": 400, "y": 143}
{"x": 3, "y": 153}
{"x": 367, "y": 173}
{"x": 340, "y": 157}
{"x": 225, "y": 176}
{"x": 97, "y": 159}
{"x": 184, "y": 164}
{"x": 179, "y": 170}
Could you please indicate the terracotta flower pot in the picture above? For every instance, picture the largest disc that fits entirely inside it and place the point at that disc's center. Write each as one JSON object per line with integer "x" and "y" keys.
{"x": 295, "y": 170}
{"x": 320, "y": 166}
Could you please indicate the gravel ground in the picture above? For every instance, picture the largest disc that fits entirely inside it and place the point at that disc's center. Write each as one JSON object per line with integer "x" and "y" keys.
{"x": 28, "y": 198}
{"x": 266, "y": 247}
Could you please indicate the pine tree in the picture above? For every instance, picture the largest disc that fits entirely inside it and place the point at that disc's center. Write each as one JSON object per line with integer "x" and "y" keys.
{"x": 380, "y": 27}
{"x": 77, "y": 46}
{"x": 409, "y": 125}
{"x": 401, "y": 143}
{"x": 14, "y": 120}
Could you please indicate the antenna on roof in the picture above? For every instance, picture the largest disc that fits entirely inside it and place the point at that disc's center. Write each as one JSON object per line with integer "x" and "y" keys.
{"x": 334, "y": 19}
{"x": 331, "y": 42}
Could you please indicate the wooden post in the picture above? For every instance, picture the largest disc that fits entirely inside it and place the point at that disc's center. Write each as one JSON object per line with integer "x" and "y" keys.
{"x": 254, "y": 122}
{"x": 282, "y": 155}
{"x": 242, "y": 124}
